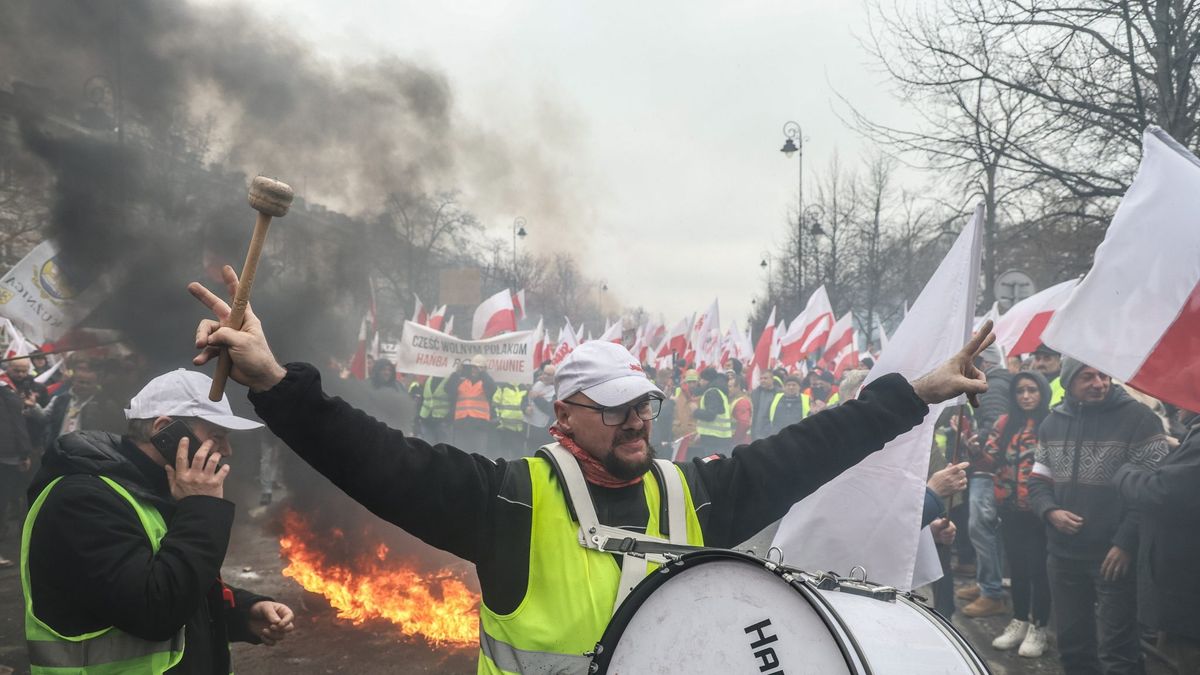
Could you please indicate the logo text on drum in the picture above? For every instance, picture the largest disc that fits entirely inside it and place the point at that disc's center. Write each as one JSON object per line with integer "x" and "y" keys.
{"x": 765, "y": 655}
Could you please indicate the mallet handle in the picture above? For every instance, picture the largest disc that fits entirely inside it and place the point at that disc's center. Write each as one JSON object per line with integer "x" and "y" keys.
{"x": 240, "y": 299}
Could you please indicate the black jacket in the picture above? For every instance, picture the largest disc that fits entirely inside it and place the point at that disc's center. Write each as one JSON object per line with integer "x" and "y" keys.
{"x": 478, "y": 508}
{"x": 14, "y": 434}
{"x": 91, "y": 565}
{"x": 1168, "y": 498}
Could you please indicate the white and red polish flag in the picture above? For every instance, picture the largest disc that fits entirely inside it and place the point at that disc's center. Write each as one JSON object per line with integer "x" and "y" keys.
{"x": 449, "y": 326}
{"x": 743, "y": 349}
{"x": 567, "y": 342}
{"x": 578, "y": 335}
{"x": 420, "y": 316}
{"x": 841, "y": 344}
{"x": 791, "y": 343}
{"x": 870, "y": 515}
{"x": 655, "y": 331}
{"x": 518, "y": 303}
{"x": 1019, "y": 330}
{"x": 1136, "y": 315}
{"x": 677, "y": 340}
{"x": 437, "y": 318}
{"x": 818, "y": 322}
{"x": 762, "y": 350}
{"x": 850, "y": 357}
{"x": 538, "y": 342}
{"x": 706, "y": 333}
{"x": 613, "y": 333}
{"x": 494, "y": 316}
{"x": 777, "y": 343}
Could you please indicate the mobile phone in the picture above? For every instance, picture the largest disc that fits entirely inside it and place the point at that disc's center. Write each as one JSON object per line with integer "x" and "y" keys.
{"x": 167, "y": 442}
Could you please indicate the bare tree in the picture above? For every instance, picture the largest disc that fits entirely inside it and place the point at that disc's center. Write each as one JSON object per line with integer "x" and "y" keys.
{"x": 415, "y": 237}
{"x": 24, "y": 205}
{"x": 1093, "y": 73}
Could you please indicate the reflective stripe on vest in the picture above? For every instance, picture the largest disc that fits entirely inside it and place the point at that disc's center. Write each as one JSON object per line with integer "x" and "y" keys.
{"x": 507, "y": 402}
{"x": 571, "y": 590}
{"x": 472, "y": 402}
{"x": 805, "y": 403}
{"x": 435, "y": 403}
{"x": 720, "y": 426}
{"x": 508, "y": 659}
{"x": 105, "y": 651}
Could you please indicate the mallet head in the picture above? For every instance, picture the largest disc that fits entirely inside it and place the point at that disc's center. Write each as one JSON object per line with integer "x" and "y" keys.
{"x": 270, "y": 196}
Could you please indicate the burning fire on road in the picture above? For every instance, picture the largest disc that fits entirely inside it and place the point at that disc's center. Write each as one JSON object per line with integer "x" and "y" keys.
{"x": 377, "y": 585}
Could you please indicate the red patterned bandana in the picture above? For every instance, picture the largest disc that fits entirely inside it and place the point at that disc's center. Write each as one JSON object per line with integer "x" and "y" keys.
{"x": 593, "y": 471}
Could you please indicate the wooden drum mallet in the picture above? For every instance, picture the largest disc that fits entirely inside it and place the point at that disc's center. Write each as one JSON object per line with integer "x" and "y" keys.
{"x": 271, "y": 198}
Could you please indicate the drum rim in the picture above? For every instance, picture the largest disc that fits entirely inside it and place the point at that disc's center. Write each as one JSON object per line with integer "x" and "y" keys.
{"x": 960, "y": 642}
{"x": 852, "y": 653}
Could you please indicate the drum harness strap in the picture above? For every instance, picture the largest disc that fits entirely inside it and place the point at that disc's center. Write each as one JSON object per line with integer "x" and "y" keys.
{"x": 637, "y": 550}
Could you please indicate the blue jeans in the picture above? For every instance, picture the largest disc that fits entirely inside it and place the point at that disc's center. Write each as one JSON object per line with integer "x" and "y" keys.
{"x": 985, "y": 537}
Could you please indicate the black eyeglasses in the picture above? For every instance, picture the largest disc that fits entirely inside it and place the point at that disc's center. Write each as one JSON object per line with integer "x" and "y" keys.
{"x": 646, "y": 410}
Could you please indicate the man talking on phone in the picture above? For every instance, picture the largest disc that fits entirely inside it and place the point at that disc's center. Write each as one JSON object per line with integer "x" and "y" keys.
{"x": 123, "y": 544}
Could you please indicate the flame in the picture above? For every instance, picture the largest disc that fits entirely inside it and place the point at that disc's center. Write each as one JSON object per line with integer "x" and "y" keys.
{"x": 438, "y": 607}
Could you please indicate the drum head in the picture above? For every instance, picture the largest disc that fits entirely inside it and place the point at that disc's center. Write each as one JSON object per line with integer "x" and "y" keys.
{"x": 718, "y": 612}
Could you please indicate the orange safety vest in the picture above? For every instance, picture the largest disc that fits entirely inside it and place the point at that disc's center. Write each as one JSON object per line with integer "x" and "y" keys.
{"x": 471, "y": 403}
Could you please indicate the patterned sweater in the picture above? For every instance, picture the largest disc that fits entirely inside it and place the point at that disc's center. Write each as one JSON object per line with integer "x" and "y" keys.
{"x": 1080, "y": 448}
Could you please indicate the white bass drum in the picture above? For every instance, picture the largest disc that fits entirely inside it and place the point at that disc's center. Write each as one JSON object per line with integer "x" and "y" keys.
{"x": 726, "y": 612}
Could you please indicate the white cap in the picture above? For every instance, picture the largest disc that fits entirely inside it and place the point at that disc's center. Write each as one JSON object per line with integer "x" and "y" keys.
{"x": 184, "y": 393}
{"x": 604, "y": 371}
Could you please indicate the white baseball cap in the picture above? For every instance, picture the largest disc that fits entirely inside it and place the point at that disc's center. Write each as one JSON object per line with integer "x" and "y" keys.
{"x": 604, "y": 371}
{"x": 184, "y": 393}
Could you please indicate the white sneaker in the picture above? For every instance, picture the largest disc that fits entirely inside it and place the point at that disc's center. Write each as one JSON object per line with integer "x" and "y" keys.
{"x": 1034, "y": 644}
{"x": 1012, "y": 636}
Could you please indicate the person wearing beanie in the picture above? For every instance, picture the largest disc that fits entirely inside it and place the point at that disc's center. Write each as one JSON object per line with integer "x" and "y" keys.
{"x": 1049, "y": 363}
{"x": 548, "y": 592}
{"x": 789, "y": 406}
{"x": 821, "y": 394}
{"x": 1091, "y": 533}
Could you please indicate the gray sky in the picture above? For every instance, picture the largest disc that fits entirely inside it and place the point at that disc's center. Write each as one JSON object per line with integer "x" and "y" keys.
{"x": 660, "y": 121}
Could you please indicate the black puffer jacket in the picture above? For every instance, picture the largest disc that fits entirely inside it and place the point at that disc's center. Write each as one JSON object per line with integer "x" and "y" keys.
{"x": 1168, "y": 497}
{"x": 91, "y": 565}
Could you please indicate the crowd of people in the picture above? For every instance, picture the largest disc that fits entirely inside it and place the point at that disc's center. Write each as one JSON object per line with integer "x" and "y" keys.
{"x": 1080, "y": 511}
{"x": 1073, "y": 497}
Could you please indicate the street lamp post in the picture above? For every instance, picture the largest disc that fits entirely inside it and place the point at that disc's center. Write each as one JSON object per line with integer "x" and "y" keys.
{"x": 600, "y": 297}
{"x": 794, "y": 144}
{"x": 766, "y": 265}
{"x": 813, "y": 215}
{"x": 518, "y": 231}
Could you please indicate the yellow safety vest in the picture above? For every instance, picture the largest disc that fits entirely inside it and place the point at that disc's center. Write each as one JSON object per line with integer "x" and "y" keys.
{"x": 720, "y": 426}
{"x": 805, "y": 404}
{"x": 108, "y": 651}
{"x": 571, "y": 591}
{"x": 1057, "y": 392}
{"x": 507, "y": 403}
{"x": 435, "y": 403}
